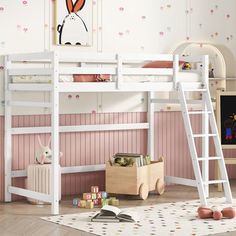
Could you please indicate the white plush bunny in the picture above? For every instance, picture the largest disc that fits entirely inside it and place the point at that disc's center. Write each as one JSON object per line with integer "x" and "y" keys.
{"x": 44, "y": 154}
{"x": 73, "y": 30}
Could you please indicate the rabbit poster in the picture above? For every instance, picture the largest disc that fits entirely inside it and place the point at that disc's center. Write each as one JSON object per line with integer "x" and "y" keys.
{"x": 74, "y": 22}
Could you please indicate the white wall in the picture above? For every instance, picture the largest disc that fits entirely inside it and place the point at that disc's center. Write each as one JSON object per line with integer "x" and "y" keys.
{"x": 151, "y": 26}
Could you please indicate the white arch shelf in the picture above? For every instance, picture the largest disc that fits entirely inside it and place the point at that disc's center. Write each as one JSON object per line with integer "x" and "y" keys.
{"x": 216, "y": 58}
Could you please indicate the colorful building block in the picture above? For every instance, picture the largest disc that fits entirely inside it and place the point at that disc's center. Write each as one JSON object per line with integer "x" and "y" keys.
{"x": 96, "y": 202}
{"x": 99, "y": 195}
{"x": 87, "y": 196}
{"x": 83, "y": 203}
{"x": 75, "y": 202}
{"x": 110, "y": 200}
{"x": 115, "y": 202}
{"x": 89, "y": 204}
{"x": 100, "y": 201}
{"x": 105, "y": 202}
{"x": 104, "y": 195}
{"x": 94, "y": 196}
{"x": 94, "y": 189}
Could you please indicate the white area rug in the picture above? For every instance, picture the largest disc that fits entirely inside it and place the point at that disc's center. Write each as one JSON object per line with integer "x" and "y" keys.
{"x": 179, "y": 219}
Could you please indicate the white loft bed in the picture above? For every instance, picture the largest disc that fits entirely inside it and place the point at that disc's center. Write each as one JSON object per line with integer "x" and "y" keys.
{"x": 55, "y": 64}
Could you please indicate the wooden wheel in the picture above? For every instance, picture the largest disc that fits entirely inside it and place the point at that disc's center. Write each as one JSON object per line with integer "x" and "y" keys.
{"x": 160, "y": 186}
{"x": 143, "y": 191}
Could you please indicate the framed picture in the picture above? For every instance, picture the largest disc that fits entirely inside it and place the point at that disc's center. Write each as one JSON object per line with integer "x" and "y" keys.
{"x": 226, "y": 118}
{"x": 73, "y": 22}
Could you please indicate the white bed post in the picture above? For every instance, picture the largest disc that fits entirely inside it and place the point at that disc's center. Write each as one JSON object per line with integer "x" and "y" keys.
{"x": 175, "y": 70}
{"x": 8, "y": 135}
{"x": 119, "y": 71}
{"x": 151, "y": 135}
{"x": 205, "y": 128}
{"x": 55, "y": 135}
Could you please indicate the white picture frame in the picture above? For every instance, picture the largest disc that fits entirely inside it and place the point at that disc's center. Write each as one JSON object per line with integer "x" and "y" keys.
{"x": 73, "y": 22}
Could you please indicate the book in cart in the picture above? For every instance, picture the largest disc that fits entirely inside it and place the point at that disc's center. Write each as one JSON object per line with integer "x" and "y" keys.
{"x": 114, "y": 214}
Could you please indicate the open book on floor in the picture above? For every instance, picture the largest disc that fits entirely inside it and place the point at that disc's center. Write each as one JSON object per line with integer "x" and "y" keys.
{"x": 114, "y": 214}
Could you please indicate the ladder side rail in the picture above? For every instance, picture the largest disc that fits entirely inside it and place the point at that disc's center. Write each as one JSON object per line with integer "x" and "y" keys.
{"x": 8, "y": 134}
{"x": 205, "y": 125}
{"x": 192, "y": 147}
{"x": 205, "y": 146}
{"x": 219, "y": 152}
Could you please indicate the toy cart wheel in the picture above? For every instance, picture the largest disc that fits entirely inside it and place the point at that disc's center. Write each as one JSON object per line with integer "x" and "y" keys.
{"x": 160, "y": 186}
{"x": 143, "y": 191}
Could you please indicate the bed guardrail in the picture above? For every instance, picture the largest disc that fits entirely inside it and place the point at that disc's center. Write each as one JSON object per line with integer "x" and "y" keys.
{"x": 118, "y": 65}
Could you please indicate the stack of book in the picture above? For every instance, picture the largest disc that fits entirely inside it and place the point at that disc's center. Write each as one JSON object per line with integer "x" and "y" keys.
{"x": 129, "y": 159}
{"x": 114, "y": 214}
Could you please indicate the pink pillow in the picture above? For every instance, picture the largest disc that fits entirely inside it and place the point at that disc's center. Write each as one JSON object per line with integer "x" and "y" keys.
{"x": 85, "y": 78}
{"x": 160, "y": 64}
{"x": 91, "y": 78}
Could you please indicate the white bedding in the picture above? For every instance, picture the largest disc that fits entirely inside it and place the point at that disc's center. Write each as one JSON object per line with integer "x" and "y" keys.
{"x": 183, "y": 76}
{"x": 39, "y": 79}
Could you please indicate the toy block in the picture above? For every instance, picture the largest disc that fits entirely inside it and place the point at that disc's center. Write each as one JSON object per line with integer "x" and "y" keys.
{"x": 75, "y": 201}
{"x": 96, "y": 202}
{"x": 110, "y": 200}
{"x": 115, "y": 202}
{"x": 83, "y": 203}
{"x": 104, "y": 195}
{"x": 94, "y": 196}
{"x": 94, "y": 189}
{"x": 105, "y": 202}
{"x": 99, "y": 195}
{"x": 99, "y": 201}
{"x": 87, "y": 196}
{"x": 89, "y": 204}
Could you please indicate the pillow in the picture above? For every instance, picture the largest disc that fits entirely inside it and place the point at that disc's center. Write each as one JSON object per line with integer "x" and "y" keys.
{"x": 85, "y": 78}
{"x": 160, "y": 64}
{"x": 91, "y": 78}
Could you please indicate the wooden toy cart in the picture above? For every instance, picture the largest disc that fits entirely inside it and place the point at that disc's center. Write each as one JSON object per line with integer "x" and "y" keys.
{"x": 136, "y": 180}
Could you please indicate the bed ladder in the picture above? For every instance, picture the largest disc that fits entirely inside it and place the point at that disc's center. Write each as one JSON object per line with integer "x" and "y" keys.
{"x": 208, "y": 118}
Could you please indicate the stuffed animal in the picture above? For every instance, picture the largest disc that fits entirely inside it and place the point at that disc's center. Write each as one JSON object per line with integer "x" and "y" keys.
{"x": 44, "y": 154}
{"x": 186, "y": 66}
{"x": 216, "y": 213}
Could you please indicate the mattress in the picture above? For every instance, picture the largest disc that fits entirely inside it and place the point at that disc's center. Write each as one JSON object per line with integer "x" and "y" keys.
{"x": 182, "y": 76}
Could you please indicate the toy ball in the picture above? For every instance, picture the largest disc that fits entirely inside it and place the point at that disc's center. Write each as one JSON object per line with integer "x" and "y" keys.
{"x": 186, "y": 66}
{"x": 217, "y": 215}
{"x": 229, "y": 212}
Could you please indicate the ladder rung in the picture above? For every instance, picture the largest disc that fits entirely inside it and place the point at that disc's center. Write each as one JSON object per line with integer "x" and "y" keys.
{"x": 199, "y": 112}
{"x": 203, "y": 135}
{"x": 214, "y": 182}
{"x": 195, "y": 90}
{"x": 209, "y": 158}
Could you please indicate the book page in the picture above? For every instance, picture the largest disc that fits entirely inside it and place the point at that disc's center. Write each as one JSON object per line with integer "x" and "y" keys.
{"x": 107, "y": 208}
{"x": 128, "y": 214}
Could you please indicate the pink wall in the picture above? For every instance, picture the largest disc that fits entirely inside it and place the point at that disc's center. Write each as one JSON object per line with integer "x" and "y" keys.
{"x": 97, "y": 147}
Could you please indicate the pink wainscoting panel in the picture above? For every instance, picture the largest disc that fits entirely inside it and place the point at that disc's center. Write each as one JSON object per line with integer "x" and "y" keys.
{"x": 97, "y": 147}
{"x": 1, "y": 158}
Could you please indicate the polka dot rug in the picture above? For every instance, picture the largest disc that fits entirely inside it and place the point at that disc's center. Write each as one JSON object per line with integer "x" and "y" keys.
{"x": 175, "y": 218}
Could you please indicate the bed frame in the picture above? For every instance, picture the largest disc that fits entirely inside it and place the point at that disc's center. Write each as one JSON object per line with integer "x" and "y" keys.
{"x": 55, "y": 64}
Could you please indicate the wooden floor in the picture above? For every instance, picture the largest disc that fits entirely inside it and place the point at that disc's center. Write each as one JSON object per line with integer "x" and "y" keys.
{"x": 22, "y": 218}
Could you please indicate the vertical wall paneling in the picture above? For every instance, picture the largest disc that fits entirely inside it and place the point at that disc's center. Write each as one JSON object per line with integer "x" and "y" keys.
{"x": 96, "y": 147}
